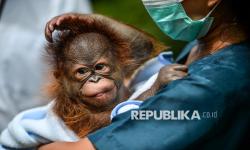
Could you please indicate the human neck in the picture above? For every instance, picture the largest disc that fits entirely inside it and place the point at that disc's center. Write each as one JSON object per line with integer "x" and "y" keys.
{"x": 218, "y": 38}
{"x": 222, "y": 36}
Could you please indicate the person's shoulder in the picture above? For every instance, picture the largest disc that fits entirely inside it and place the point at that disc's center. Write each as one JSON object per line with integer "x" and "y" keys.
{"x": 234, "y": 58}
{"x": 237, "y": 54}
{"x": 227, "y": 70}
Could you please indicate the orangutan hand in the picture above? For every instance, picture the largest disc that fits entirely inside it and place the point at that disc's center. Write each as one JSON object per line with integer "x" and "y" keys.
{"x": 166, "y": 74}
{"x": 170, "y": 73}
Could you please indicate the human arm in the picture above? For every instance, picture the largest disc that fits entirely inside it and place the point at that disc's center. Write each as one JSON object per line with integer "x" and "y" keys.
{"x": 83, "y": 144}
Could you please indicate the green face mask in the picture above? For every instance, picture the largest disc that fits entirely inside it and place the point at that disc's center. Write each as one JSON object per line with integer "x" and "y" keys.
{"x": 172, "y": 19}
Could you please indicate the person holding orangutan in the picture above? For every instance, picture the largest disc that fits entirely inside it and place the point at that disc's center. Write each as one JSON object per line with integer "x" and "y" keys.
{"x": 211, "y": 76}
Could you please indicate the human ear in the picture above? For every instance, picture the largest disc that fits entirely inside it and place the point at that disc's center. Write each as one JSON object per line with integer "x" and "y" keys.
{"x": 211, "y": 3}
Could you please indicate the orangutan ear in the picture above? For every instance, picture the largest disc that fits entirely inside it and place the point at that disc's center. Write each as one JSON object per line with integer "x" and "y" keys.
{"x": 56, "y": 74}
{"x": 144, "y": 46}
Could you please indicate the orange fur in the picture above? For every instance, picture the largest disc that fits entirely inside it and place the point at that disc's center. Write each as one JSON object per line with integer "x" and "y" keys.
{"x": 76, "y": 115}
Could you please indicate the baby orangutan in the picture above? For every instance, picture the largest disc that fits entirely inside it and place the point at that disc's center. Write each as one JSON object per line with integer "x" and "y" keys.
{"x": 89, "y": 79}
{"x": 90, "y": 65}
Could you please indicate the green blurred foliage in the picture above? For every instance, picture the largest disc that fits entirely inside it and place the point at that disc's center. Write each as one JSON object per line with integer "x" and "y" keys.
{"x": 133, "y": 12}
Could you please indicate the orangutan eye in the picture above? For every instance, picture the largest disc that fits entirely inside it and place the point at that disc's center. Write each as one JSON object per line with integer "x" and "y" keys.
{"x": 102, "y": 68}
{"x": 99, "y": 67}
{"x": 82, "y": 70}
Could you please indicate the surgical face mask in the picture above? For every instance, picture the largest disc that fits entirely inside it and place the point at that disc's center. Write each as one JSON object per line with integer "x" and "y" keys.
{"x": 172, "y": 19}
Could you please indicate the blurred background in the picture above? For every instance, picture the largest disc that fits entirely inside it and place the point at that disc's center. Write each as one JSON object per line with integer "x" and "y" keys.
{"x": 22, "y": 42}
{"x": 133, "y": 12}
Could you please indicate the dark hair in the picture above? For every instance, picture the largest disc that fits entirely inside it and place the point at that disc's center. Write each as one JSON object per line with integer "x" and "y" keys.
{"x": 241, "y": 11}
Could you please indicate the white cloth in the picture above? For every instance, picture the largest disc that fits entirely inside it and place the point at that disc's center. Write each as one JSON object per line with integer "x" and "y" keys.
{"x": 36, "y": 126}
{"x": 21, "y": 49}
{"x": 144, "y": 87}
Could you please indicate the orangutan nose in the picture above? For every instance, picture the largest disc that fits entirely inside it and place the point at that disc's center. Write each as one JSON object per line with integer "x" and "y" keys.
{"x": 95, "y": 78}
